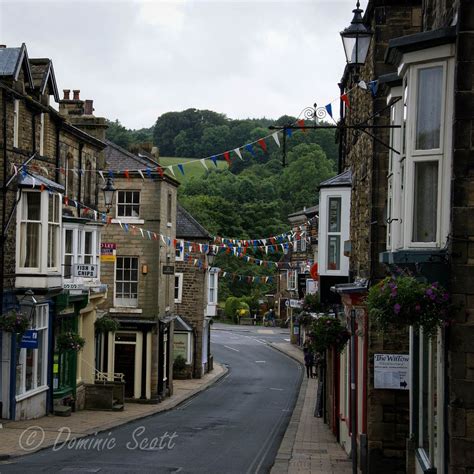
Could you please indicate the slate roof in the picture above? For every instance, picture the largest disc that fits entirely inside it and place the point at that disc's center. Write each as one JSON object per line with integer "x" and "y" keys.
{"x": 43, "y": 74}
{"x": 341, "y": 180}
{"x": 307, "y": 211}
{"x": 12, "y": 60}
{"x": 119, "y": 159}
{"x": 188, "y": 227}
{"x": 181, "y": 324}
{"x": 31, "y": 179}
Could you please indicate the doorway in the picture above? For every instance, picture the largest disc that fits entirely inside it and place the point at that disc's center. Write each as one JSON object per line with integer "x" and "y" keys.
{"x": 124, "y": 360}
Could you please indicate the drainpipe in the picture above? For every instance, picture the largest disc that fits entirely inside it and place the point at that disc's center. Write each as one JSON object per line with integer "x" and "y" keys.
{"x": 353, "y": 395}
{"x": 4, "y": 199}
{"x": 58, "y": 157}
{"x": 341, "y": 131}
{"x": 79, "y": 194}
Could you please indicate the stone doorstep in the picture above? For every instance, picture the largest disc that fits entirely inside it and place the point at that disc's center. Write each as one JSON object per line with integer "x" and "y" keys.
{"x": 51, "y": 428}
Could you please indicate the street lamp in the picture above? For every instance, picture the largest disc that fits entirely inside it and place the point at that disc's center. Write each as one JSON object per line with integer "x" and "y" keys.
{"x": 109, "y": 191}
{"x": 28, "y": 305}
{"x": 210, "y": 257}
{"x": 356, "y": 41}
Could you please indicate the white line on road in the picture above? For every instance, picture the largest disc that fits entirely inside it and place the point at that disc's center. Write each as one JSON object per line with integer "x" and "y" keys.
{"x": 260, "y": 361}
{"x": 279, "y": 389}
{"x": 232, "y": 349}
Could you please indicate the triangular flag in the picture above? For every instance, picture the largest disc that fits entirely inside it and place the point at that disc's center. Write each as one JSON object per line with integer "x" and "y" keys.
{"x": 373, "y": 86}
{"x": 161, "y": 171}
{"x": 345, "y": 99}
{"x": 214, "y": 160}
{"x": 329, "y": 109}
{"x": 301, "y": 124}
{"x": 362, "y": 85}
{"x": 181, "y": 168}
{"x": 203, "y": 163}
{"x": 126, "y": 174}
{"x": 262, "y": 143}
{"x": 148, "y": 172}
{"x": 289, "y": 132}
{"x": 275, "y": 137}
{"x": 237, "y": 152}
{"x": 141, "y": 174}
{"x": 249, "y": 148}
{"x": 171, "y": 169}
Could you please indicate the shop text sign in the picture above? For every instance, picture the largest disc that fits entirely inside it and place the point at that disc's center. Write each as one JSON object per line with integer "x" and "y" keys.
{"x": 85, "y": 270}
{"x": 108, "y": 251}
{"x": 29, "y": 339}
{"x": 391, "y": 371}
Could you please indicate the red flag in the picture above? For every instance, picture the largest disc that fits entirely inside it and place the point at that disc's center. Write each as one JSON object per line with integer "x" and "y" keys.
{"x": 302, "y": 125}
{"x": 175, "y": 242}
{"x": 127, "y": 174}
{"x": 262, "y": 143}
{"x": 345, "y": 99}
{"x": 160, "y": 171}
{"x": 42, "y": 188}
{"x": 66, "y": 201}
{"x": 227, "y": 157}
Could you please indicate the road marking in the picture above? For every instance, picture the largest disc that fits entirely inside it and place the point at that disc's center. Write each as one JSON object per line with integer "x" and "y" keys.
{"x": 232, "y": 349}
{"x": 287, "y": 340}
{"x": 279, "y": 389}
{"x": 265, "y": 331}
{"x": 260, "y": 361}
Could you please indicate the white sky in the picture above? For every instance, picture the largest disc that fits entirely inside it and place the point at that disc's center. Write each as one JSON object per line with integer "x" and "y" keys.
{"x": 139, "y": 59}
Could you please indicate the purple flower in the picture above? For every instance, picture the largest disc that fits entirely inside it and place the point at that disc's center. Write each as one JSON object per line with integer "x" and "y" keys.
{"x": 397, "y": 308}
{"x": 446, "y": 296}
{"x": 433, "y": 296}
{"x": 429, "y": 292}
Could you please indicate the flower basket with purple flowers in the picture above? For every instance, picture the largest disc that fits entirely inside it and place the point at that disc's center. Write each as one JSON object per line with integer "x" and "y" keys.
{"x": 70, "y": 341}
{"x": 402, "y": 301}
{"x": 14, "y": 322}
{"x": 328, "y": 332}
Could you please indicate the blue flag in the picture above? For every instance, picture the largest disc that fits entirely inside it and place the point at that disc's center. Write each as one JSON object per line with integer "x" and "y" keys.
{"x": 249, "y": 148}
{"x": 214, "y": 160}
{"x": 329, "y": 109}
{"x": 181, "y": 168}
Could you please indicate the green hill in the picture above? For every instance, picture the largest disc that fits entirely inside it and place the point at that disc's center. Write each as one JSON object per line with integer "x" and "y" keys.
{"x": 194, "y": 169}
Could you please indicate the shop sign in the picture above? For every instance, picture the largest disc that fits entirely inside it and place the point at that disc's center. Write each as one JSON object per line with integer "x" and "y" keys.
{"x": 85, "y": 270}
{"x": 168, "y": 270}
{"x": 180, "y": 345}
{"x": 73, "y": 286}
{"x": 294, "y": 303}
{"x": 108, "y": 251}
{"x": 391, "y": 371}
{"x": 312, "y": 287}
{"x": 29, "y": 339}
{"x": 296, "y": 330}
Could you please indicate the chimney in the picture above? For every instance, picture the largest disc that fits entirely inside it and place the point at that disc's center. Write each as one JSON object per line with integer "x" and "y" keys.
{"x": 66, "y": 94}
{"x": 88, "y": 107}
{"x": 76, "y": 93}
{"x": 3, "y": 45}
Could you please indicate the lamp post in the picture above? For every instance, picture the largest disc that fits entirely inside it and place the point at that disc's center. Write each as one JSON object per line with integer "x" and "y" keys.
{"x": 109, "y": 192}
{"x": 210, "y": 257}
{"x": 356, "y": 41}
{"x": 28, "y": 304}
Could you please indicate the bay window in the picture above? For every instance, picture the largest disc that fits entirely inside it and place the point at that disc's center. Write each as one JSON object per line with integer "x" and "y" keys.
{"x": 126, "y": 282}
{"x": 30, "y": 230}
{"x": 334, "y": 233}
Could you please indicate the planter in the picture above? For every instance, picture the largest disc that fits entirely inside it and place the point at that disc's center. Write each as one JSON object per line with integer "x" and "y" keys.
{"x": 70, "y": 341}
{"x": 328, "y": 332}
{"x": 14, "y": 322}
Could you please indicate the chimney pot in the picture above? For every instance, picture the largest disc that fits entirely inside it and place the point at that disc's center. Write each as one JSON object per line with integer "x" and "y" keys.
{"x": 88, "y": 107}
{"x": 76, "y": 93}
{"x": 66, "y": 94}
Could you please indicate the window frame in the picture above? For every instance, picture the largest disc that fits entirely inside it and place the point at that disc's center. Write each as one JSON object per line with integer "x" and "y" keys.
{"x": 41, "y": 140}
{"x": 212, "y": 278}
{"x": 291, "y": 280}
{"x": 332, "y": 233}
{"x": 179, "y": 251}
{"x": 127, "y": 204}
{"x": 119, "y": 301}
{"x": 179, "y": 279}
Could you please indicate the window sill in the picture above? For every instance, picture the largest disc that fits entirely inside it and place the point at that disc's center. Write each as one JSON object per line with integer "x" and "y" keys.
{"x": 31, "y": 393}
{"x": 128, "y": 220}
{"x": 126, "y": 309}
{"x": 425, "y": 255}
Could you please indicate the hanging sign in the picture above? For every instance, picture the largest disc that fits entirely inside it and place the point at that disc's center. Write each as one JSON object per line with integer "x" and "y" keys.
{"x": 29, "y": 339}
{"x": 108, "y": 251}
{"x": 391, "y": 371}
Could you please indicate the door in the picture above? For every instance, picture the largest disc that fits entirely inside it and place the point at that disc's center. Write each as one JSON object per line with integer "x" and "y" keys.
{"x": 124, "y": 360}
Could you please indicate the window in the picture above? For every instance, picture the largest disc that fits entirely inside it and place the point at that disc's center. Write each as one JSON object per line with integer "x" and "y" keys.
{"x": 54, "y": 228}
{"x": 213, "y": 282}
{"x": 169, "y": 206}
{"x": 334, "y": 233}
{"x": 126, "y": 281}
{"x": 179, "y": 257}
{"x": 88, "y": 177}
{"x": 30, "y": 230}
{"x": 128, "y": 204}
{"x": 419, "y": 178}
{"x": 291, "y": 277}
{"x": 299, "y": 244}
{"x": 69, "y": 169}
{"x": 68, "y": 253}
{"x": 41, "y": 143}
{"x": 31, "y": 370}
{"x": 178, "y": 287}
{"x": 16, "y": 122}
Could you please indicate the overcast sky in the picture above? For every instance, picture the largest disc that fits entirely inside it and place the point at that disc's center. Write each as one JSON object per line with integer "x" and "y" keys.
{"x": 140, "y": 59}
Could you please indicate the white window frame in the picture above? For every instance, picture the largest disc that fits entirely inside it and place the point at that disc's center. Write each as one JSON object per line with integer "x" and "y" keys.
{"x": 178, "y": 277}
{"x": 331, "y": 233}
{"x": 16, "y": 122}
{"x": 299, "y": 245}
{"x": 412, "y": 63}
{"x": 40, "y": 323}
{"x": 292, "y": 280}
{"x": 124, "y": 218}
{"x": 179, "y": 251}
{"x": 213, "y": 283}
{"x": 41, "y": 140}
{"x": 126, "y": 302}
{"x": 56, "y": 226}
{"x": 43, "y": 232}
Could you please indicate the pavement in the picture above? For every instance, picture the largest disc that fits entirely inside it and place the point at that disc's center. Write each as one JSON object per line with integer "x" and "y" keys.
{"x": 308, "y": 445}
{"x": 18, "y": 438}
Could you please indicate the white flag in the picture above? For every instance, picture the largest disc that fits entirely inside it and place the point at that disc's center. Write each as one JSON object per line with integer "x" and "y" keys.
{"x": 237, "y": 152}
{"x": 362, "y": 85}
{"x": 275, "y": 137}
{"x": 203, "y": 163}
{"x": 172, "y": 170}
{"x": 141, "y": 174}
{"x": 102, "y": 175}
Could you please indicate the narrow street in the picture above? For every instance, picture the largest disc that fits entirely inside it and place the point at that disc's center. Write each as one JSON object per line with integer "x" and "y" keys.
{"x": 234, "y": 426}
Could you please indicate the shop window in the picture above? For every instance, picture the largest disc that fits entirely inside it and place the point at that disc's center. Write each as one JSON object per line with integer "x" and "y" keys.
{"x": 31, "y": 370}
{"x": 178, "y": 287}
{"x": 128, "y": 204}
{"x": 126, "y": 281}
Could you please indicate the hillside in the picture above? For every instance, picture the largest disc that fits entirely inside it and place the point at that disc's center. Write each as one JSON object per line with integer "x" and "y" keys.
{"x": 192, "y": 170}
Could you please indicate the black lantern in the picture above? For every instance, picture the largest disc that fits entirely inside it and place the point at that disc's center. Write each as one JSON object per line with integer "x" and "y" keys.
{"x": 356, "y": 40}
{"x": 28, "y": 304}
{"x": 210, "y": 256}
{"x": 109, "y": 191}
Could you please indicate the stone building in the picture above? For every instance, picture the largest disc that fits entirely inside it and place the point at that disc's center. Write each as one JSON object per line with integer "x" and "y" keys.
{"x": 140, "y": 275}
{"x": 196, "y": 286}
{"x": 411, "y": 209}
{"x": 38, "y": 197}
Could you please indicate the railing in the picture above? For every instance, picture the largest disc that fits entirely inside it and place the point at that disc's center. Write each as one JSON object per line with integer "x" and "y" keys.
{"x": 105, "y": 376}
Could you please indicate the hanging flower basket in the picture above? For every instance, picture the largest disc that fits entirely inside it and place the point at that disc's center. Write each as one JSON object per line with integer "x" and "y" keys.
{"x": 402, "y": 301}
{"x": 328, "y": 332}
{"x": 106, "y": 324}
{"x": 70, "y": 341}
{"x": 14, "y": 322}
{"x": 311, "y": 304}
{"x": 305, "y": 319}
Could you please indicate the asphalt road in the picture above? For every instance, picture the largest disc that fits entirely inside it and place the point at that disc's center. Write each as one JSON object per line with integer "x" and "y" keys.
{"x": 235, "y": 426}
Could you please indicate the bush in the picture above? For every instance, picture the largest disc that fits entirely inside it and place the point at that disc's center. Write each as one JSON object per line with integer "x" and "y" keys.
{"x": 311, "y": 304}
{"x": 252, "y": 302}
{"x": 179, "y": 364}
{"x": 231, "y": 306}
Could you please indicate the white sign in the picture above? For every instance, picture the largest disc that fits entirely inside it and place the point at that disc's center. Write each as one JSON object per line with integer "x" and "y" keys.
{"x": 73, "y": 286}
{"x": 295, "y": 304}
{"x": 391, "y": 371}
{"x": 311, "y": 287}
{"x": 85, "y": 270}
